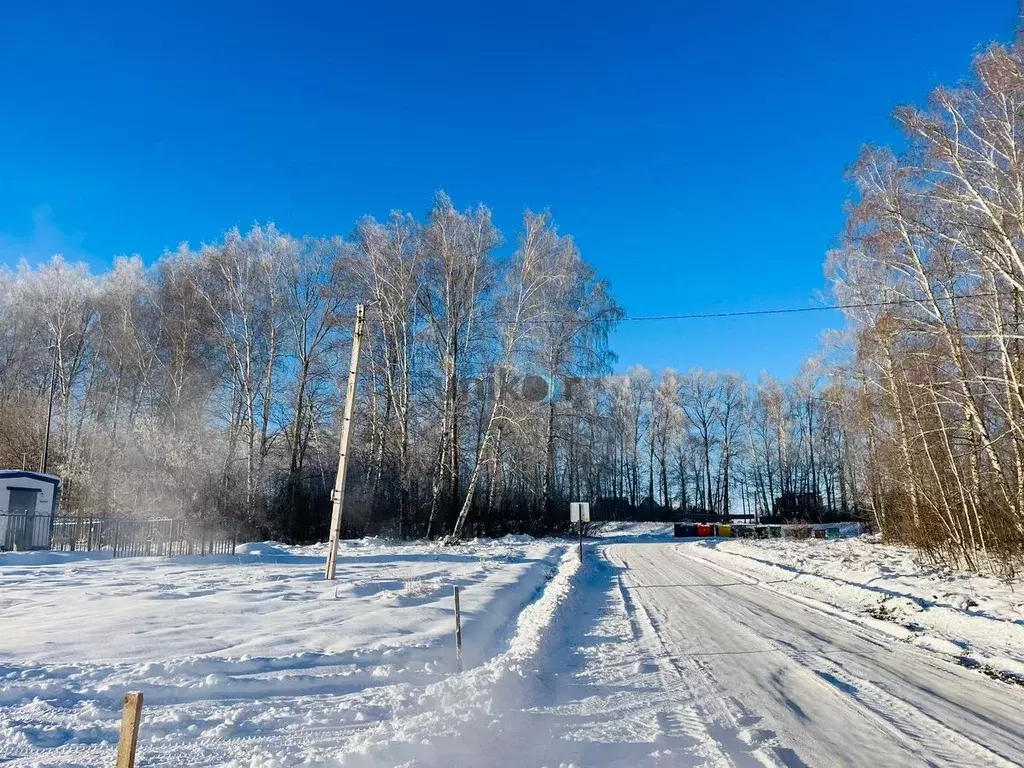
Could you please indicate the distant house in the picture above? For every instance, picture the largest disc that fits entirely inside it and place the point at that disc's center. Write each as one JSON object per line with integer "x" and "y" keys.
{"x": 28, "y": 502}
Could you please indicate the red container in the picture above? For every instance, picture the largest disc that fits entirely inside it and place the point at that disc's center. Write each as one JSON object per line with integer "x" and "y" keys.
{"x": 705, "y": 530}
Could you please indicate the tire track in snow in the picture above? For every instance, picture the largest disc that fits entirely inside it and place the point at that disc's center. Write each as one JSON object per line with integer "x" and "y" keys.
{"x": 937, "y": 739}
{"x": 724, "y": 741}
{"x": 892, "y": 712}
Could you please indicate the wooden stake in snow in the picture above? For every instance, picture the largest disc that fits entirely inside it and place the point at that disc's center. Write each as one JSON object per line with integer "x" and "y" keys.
{"x": 338, "y": 494}
{"x": 130, "y": 719}
{"x": 458, "y": 632}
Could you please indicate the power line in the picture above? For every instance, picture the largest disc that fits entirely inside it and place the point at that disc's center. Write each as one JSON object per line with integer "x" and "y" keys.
{"x": 795, "y": 310}
{"x": 749, "y": 313}
{"x": 754, "y": 312}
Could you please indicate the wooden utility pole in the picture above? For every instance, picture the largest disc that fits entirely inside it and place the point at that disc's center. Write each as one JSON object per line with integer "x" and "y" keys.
{"x": 338, "y": 494}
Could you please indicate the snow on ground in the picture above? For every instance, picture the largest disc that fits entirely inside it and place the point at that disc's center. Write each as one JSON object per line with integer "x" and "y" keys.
{"x": 628, "y": 531}
{"x": 759, "y": 676}
{"x": 252, "y": 658}
{"x": 978, "y": 620}
{"x": 653, "y": 656}
{"x": 656, "y": 652}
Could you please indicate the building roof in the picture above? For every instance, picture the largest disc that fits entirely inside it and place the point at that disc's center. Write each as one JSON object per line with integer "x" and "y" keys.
{"x": 16, "y": 473}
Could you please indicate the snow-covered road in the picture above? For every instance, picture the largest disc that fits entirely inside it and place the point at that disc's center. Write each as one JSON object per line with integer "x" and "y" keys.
{"x": 763, "y": 678}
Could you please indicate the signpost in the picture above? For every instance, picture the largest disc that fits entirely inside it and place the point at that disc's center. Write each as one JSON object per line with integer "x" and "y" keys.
{"x": 579, "y": 512}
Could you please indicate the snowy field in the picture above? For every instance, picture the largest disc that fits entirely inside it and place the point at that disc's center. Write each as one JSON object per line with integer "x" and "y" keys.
{"x": 656, "y": 652}
{"x": 253, "y": 659}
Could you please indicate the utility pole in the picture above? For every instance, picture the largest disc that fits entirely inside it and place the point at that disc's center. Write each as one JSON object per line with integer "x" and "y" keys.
{"x": 45, "y": 459}
{"x": 338, "y": 494}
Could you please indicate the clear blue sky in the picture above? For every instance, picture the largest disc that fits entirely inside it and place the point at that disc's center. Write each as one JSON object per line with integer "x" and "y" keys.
{"x": 696, "y": 150}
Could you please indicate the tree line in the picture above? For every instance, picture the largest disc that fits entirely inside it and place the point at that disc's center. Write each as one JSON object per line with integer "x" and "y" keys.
{"x": 207, "y": 385}
{"x": 932, "y": 264}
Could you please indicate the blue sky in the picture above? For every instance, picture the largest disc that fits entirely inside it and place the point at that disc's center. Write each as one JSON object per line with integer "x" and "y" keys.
{"x": 695, "y": 150}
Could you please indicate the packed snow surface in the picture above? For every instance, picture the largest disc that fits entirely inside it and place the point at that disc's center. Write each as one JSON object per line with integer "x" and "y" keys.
{"x": 653, "y": 652}
{"x": 978, "y": 620}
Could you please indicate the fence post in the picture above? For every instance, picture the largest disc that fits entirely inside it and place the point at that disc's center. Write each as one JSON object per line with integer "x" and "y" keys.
{"x": 458, "y": 632}
{"x": 130, "y": 719}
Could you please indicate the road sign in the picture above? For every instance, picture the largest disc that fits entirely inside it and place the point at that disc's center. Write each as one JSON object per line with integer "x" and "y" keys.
{"x": 579, "y": 512}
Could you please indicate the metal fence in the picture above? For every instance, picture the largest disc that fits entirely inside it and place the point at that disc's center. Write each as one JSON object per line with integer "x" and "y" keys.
{"x": 22, "y": 531}
{"x": 126, "y": 536}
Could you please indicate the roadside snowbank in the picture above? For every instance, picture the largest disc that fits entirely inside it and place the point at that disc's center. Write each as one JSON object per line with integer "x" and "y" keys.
{"x": 977, "y": 620}
{"x": 642, "y": 530}
{"x": 474, "y": 718}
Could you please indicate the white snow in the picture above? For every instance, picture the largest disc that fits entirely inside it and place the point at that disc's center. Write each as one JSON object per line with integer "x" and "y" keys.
{"x": 656, "y": 652}
{"x": 244, "y": 655}
{"x": 775, "y": 677}
{"x": 633, "y": 530}
{"x": 976, "y": 619}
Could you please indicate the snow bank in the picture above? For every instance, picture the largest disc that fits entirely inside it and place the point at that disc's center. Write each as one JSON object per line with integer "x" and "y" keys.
{"x": 263, "y": 549}
{"x": 978, "y": 620}
{"x": 640, "y": 530}
{"x": 14, "y": 559}
{"x": 462, "y": 718}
